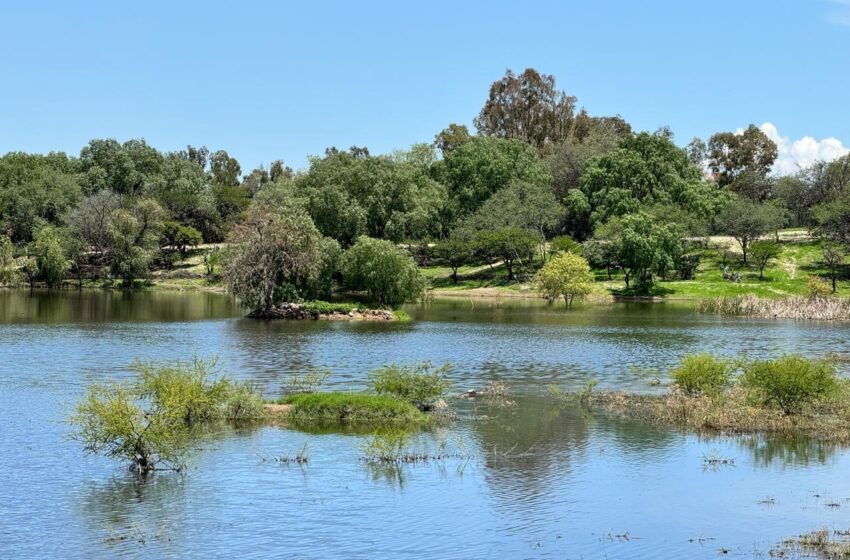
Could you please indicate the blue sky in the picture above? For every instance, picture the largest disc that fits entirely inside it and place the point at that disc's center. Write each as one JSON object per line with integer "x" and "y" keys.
{"x": 268, "y": 80}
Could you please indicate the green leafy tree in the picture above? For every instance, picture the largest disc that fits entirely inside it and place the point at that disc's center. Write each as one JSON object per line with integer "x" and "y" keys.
{"x": 7, "y": 261}
{"x": 35, "y": 190}
{"x": 565, "y": 275}
{"x": 761, "y": 252}
{"x": 451, "y": 137}
{"x": 790, "y": 382}
{"x": 454, "y": 252}
{"x": 49, "y": 256}
{"x": 746, "y": 221}
{"x": 510, "y": 245}
{"x": 133, "y": 237}
{"x": 834, "y": 257}
{"x": 420, "y": 384}
{"x": 644, "y": 247}
{"x": 351, "y": 194}
{"x": 386, "y": 273}
{"x": 832, "y": 219}
{"x": 179, "y": 237}
{"x": 647, "y": 169}
{"x": 481, "y": 166}
{"x": 273, "y": 255}
{"x": 730, "y": 154}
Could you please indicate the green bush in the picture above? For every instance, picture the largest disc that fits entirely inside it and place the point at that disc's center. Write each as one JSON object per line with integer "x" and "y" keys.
{"x": 790, "y": 382}
{"x": 419, "y": 384}
{"x": 351, "y": 408}
{"x": 699, "y": 374}
{"x": 150, "y": 422}
{"x": 382, "y": 270}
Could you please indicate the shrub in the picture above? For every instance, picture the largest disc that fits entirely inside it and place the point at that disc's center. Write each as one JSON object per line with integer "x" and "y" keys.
{"x": 790, "y": 382}
{"x": 817, "y": 288}
{"x": 702, "y": 374}
{"x": 385, "y": 272}
{"x": 419, "y": 384}
{"x": 150, "y": 422}
{"x": 111, "y": 421}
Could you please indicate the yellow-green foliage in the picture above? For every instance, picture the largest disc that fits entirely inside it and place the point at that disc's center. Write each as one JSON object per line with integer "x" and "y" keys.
{"x": 817, "y": 288}
{"x": 150, "y": 421}
{"x": 790, "y": 382}
{"x": 702, "y": 374}
{"x": 420, "y": 384}
{"x": 565, "y": 275}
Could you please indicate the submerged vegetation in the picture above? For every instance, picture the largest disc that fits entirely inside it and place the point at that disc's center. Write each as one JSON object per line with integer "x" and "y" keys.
{"x": 788, "y": 396}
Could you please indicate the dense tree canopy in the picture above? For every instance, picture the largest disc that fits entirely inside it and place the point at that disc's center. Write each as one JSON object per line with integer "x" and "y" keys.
{"x": 476, "y": 169}
{"x": 730, "y": 154}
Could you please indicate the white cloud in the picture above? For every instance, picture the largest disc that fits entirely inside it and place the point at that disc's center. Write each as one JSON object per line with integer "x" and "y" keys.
{"x": 798, "y": 154}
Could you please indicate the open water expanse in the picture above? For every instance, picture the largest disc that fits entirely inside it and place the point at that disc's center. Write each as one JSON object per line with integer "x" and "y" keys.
{"x": 531, "y": 481}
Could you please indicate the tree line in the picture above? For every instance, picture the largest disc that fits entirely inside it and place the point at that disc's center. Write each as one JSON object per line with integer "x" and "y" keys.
{"x": 538, "y": 168}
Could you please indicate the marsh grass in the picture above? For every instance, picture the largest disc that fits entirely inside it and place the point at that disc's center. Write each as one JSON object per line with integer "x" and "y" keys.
{"x": 822, "y": 544}
{"x": 795, "y": 307}
{"x": 731, "y": 412}
{"x": 352, "y": 409}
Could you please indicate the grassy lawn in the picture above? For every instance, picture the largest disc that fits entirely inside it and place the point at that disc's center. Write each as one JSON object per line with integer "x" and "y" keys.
{"x": 800, "y": 258}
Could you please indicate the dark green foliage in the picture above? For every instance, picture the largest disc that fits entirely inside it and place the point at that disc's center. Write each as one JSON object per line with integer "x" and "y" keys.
{"x": 565, "y": 244}
{"x": 479, "y": 167}
{"x": 35, "y": 190}
{"x": 419, "y": 384}
{"x": 454, "y": 253}
{"x": 646, "y": 169}
{"x": 349, "y": 195}
{"x": 790, "y": 382}
{"x": 386, "y": 273}
{"x": 511, "y": 245}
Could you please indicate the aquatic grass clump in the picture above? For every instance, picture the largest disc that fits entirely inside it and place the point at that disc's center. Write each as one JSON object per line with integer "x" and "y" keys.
{"x": 319, "y": 307}
{"x": 795, "y": 307}
{"x": 790, "y": 382}
{"x": 822, "y": 544}
{"x": 699, "y": 374}
{"x": 352, "y": 408}
{"x": 420, "y": 384}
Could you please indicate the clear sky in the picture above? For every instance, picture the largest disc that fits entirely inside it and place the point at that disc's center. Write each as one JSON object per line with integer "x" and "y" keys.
{"x": 273, "y": 79}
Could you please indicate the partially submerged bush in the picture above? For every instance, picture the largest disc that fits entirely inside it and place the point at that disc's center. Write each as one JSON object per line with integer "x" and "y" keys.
{"x": 790, "y": 382}
{"x": 150, "y": 422}
{"x": 352, "y": 408}
{"x": 306, "y": 383}
{"x": 420, "y": 384}
{"x": 702, "y": 374}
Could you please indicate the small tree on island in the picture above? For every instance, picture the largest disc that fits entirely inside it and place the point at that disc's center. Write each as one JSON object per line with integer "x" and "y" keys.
{"x": 565, "y": 275}
{"x": 761, "y": 252}
{"x": 272, "y": 252}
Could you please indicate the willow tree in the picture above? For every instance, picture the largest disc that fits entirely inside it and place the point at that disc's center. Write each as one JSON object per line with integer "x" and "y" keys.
{"x": 273, "y": 253}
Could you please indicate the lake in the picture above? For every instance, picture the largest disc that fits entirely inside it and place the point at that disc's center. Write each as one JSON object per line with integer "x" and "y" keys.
{"x": 531, "y": 481}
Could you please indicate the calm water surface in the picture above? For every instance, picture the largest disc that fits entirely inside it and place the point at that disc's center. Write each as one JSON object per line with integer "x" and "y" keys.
{"x": 535, "y": 481}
